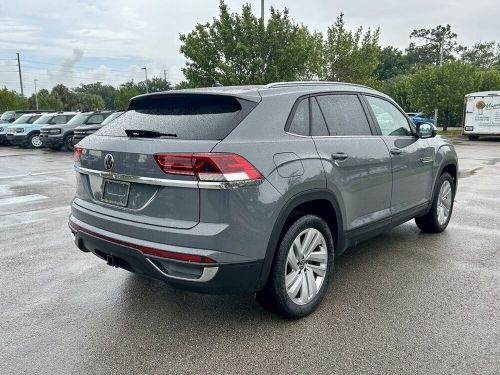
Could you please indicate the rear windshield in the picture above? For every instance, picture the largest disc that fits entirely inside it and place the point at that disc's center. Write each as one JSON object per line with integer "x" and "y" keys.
{"x": 183, "y": 116}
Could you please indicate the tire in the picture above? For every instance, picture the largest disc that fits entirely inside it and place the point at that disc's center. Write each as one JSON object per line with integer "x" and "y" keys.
{"x": 473, "y": 137}
{"x": 34, "y": 141}
{"x": 68, "y": 143}
{"x": 436, "y": 220}
{"x": 303, "y": 295}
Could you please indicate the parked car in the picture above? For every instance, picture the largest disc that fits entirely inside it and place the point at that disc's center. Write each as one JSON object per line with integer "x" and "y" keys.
{"x": 419, "y": 118}
{"x": 28, "y": 135}
{"x": 85, "y": 130}
{"x": 61, "y": 135}
{"x": 27, "y": 118}
{"x": 11, "y": 116}
{"x": 256, "y": 189}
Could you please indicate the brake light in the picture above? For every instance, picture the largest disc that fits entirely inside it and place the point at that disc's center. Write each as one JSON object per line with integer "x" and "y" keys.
{"x": 217, "y": 167}
{"x": 77, "y": 152}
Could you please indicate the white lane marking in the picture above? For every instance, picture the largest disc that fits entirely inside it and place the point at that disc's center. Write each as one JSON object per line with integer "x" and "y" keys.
{"x": 33, "y": 216}
{"x": 22, "y": 199}
{"x": 33, "y": 174}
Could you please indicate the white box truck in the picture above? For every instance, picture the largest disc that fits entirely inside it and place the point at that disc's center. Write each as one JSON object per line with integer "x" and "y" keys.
{"x": 482, "y": 114}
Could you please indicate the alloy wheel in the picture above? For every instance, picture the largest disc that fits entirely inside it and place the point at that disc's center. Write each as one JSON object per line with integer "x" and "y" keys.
{"x": 444, "y": 202}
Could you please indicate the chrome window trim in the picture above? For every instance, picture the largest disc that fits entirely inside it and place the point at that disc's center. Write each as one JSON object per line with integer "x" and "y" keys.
{"x": 165, "y": 181}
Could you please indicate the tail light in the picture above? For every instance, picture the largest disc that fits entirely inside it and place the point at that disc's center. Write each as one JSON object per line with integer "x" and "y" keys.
{"x": 77, "y": 152}
{"x": 217, "y": 167}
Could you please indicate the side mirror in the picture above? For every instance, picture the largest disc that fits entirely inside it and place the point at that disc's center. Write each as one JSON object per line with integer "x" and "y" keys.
{"x": 426, "y": 130}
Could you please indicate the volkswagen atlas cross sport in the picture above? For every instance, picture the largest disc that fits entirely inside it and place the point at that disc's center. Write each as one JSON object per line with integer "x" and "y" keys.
{"x": 257, "y": 188}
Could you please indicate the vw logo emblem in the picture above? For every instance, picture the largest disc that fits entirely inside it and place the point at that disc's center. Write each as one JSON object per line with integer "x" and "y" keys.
{"x": 108, "y": 161}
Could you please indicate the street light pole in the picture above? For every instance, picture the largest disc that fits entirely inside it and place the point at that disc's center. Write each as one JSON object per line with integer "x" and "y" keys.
{"x": 262, "y": 10}
{"x": 441, "y": 55}
{"x": 36, "y": 95}
{"x": 20, "y": 74}
{"x": 146, "y": 71}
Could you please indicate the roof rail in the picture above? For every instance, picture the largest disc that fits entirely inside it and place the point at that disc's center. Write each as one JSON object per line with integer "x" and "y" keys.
{"x": 310, "y": 83}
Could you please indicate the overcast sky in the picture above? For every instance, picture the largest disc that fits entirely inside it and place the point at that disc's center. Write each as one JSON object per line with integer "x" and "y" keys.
{"x": 76, "y": 41}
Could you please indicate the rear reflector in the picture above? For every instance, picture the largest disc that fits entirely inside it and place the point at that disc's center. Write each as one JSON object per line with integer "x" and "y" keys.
{"x": 77, "y": 152}
{"x": 147, "y": 250}
{"x": 218, "y": 167}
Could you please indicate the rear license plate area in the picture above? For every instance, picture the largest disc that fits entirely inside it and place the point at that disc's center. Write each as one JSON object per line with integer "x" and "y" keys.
{"x": 115, "y": 192}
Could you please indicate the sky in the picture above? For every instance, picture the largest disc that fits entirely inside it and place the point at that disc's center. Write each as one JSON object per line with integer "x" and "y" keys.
{"x": 83, "y": 41}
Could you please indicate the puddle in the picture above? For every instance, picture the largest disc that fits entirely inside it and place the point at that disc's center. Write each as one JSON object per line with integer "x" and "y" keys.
{"x": 472, "y": 172}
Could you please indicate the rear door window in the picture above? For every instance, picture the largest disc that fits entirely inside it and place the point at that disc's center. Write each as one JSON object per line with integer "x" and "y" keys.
{"x": 344, "y": 115}
{"x": 183, "y": 116}
{"x": 300, "y": 121}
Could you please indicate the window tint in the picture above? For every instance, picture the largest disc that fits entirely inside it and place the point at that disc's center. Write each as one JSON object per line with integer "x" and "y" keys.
{"x": 318, "y": 124}
{"x": 300, "y": 121}
{"x": 59, "y": 120}
{"x": 344, "y": 115}
{"x": 390, "y": 120}
{"x": 189, "y": 116}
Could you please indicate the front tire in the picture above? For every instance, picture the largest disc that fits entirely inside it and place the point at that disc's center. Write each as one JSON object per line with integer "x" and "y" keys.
{"x": 302, "y": 269}
{"x": 439, "y": 216}
{"x": 34, "y": 141}
{"x": 68, "y": 143}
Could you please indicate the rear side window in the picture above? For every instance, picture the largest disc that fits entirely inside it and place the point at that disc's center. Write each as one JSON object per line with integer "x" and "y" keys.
{"x": 344, "y": 115}
{"x": 300, "y": 122}
{"x": 187, "y": 116}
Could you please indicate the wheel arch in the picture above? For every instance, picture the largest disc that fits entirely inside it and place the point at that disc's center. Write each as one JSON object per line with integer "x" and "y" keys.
{"x": 309, "y": 199}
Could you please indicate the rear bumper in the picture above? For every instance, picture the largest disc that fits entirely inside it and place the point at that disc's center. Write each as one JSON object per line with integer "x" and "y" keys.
{"x": 214, "y": 278}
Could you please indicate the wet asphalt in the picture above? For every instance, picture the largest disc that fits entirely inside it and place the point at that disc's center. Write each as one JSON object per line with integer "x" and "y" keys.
{"x": 404, "y": 302}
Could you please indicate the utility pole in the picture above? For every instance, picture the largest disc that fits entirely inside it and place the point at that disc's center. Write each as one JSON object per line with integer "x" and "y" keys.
{"x": 441, "y": 55}
{"x": 20, "y": 74}
{"x": 146, "y": 71}
{"x": 165, "y": 74}
{"x": 262, "y": 10}
{"x": 36, "y": 95}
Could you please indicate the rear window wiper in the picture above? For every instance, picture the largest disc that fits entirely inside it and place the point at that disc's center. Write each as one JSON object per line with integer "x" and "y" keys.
{"x": 138, "y": 133}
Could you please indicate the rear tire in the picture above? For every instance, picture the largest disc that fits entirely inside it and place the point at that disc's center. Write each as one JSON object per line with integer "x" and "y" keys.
{"x": 439, "y": 216}
{"x": 302, "y": 269}
{"x": 68, "y": 143}
{"x": 34, "y": 141}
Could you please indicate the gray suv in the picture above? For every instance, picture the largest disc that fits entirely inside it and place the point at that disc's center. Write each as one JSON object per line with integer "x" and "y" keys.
{"x": 256, "y": 188}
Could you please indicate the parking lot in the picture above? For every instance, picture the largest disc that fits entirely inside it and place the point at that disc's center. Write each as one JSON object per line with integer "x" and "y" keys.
{"x": 404, "y": 302}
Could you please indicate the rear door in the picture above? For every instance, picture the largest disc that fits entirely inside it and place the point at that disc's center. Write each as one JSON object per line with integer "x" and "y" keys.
{"x": 118, "y": 174}
{"x": 412, "y": 157}
{"x": 356, "y": 162}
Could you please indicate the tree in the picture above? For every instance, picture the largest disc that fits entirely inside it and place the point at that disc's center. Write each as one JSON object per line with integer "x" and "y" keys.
{"x": 443, "y": 87}
{"x": 436, "y": 41}
{"x": 398, "y": 88}
{"x": 484, "y": 55}
{"x": 350, "y": 56}
{"x": 106, "y": 92}
{"x": 10, "y": 100}
{"x": 156, "y": 84}
{"x": 239, "y": 49}
{"x": 392, "y": 63}
{"x": 62, "y": 93}
{"x": 45, "y": 101}
{"x": 86, "y": 102}
{"x": 123, "y": 96}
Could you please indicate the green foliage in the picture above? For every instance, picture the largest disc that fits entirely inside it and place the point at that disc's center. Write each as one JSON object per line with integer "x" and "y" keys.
{"x": 106, "y": 92}
{"x": 62, "y": 93}
{"x": 46, "y": 101}
{"x": 123, "y": 96}
{"x": 484, "y": 55}
{"x": 350, "y": 56}
{"x": 10, "y": 101}
{"x": 392, "y": 63}
{"x": 240, "y": 50}
{"x": 86, "y": 102}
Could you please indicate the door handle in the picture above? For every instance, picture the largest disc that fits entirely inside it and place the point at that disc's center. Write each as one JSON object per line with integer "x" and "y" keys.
{"x": 396, "y": 151}
{"x": 339, "y": 156}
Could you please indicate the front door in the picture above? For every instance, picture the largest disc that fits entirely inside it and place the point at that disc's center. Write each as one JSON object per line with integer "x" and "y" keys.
{"x": 412, "y": 157}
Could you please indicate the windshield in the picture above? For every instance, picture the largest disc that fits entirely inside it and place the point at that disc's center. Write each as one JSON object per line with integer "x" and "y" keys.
{"x": 7, "y": 115}
{"x": 24, "y": 119}
{"x": 79, "y": 119}
{"x": 45, "y": 119}
{"x": 111, "y": 118}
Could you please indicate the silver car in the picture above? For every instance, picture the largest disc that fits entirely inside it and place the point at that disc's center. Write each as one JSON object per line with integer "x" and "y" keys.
{"x": 256, "y": 188}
